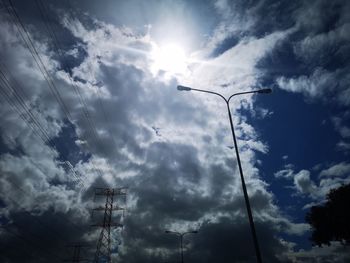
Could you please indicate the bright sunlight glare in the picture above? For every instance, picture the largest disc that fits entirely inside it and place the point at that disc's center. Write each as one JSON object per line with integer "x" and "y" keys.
{"x": 170, "y": 58}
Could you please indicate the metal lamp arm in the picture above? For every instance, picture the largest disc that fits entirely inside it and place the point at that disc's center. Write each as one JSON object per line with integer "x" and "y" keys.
{"x": 183, "y": 234}
{"x": 240, "y": 93}
{"x": 221, "y": 96}
{"x": 211, "y": 92}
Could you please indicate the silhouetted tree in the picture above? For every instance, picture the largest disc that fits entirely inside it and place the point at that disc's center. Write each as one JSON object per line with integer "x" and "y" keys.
{"x": 331, "y": 221}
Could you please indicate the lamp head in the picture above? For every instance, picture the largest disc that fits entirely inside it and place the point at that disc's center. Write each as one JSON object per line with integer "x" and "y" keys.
{"x": 265, "y": 91}
{"x": 194, "y": 232}
{"x": 179, "y": 87}
{"x": 167, "y": 231}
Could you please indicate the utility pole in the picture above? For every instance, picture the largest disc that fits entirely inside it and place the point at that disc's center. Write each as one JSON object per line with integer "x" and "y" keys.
{"x": 103, "y": 250}
{"x": 76, "y": 253}
{"x": 244, "y": 188}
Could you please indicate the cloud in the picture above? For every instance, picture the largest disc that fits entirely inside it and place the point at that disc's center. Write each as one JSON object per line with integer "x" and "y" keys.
{"x": 320, "y": 84}
{"x": 236, "y": 67}
{"x": 307, "y": 185}
{"x": 321, "y": 72}
{"x": 314, "y": 16}
{"x": 313, "y": 86}
{"x": 340, "y": 169}
{"x": 334, "y": 253}
{"x": 342, "y": 129}
{"x": 303, "y": 182}
{"x": 226, "y": 234}
{"x": 310, "y": 47}
{"x": 184, "y": 179}
{"x": 286, "y": 173}
{"x": 344, "y": 146}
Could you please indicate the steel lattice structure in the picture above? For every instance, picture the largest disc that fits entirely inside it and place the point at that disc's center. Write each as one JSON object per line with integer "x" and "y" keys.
{"x": 103, "y": 249}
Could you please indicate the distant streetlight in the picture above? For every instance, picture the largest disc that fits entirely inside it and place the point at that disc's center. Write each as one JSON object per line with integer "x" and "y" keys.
{"x": 245, "y": 193}
{"x": 181, "y": 235}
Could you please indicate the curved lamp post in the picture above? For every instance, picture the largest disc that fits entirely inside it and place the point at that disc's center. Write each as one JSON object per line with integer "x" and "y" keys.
{"x": 181, "y": 235}
{"x": 245, "y": 193}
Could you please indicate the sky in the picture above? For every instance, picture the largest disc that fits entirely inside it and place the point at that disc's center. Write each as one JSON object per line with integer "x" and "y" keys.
{"x": 89, "y": 100}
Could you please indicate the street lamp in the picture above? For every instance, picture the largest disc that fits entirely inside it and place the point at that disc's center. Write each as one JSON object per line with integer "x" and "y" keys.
{"x": 181, "y": 235}
{"x": 245, "y": 193}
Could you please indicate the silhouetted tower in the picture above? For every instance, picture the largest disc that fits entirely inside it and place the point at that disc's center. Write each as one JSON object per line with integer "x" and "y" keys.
{"x": 103, "y": 250}
{"x": 76, "y": 253}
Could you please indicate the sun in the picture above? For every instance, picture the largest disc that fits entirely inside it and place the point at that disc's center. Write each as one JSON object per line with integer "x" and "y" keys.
{"x": 170, "y": 58}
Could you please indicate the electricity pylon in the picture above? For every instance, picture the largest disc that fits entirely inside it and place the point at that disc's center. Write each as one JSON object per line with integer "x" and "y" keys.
{"x": 76, "y": 253}
{"x": 103, "y": 250}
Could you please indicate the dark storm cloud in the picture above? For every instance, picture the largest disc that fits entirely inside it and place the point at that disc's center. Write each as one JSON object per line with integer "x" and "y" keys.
{"x": 224, "y": 239}
{"x": 170, "y": 189}
{"x": 41, "y": 237}
{"x": 170, "y": 194}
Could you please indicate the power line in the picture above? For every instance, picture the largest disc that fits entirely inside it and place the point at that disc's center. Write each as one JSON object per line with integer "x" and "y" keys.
{"x": 31, "y": 47}
{"x": 26, "y": 193}
{"x": 105, "y": 114}
{"x": 8, "y": 91}
{"x": 36, "y": 56}
{"x": 33, "y": 122}
{"x": 39, "y": 63}
{"x": 44, "y": 14}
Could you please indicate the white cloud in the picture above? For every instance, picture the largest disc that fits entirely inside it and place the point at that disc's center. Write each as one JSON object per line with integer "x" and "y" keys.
{"x": 236, "y": 66}
{"x": 286, "y": 173}
{"x": 319, "y": 52}
{"x": 319, "y": 85}
{"x": 343, "y": 130}
{"x": 340, "y": 169}
{"x": 315, "y": 85}
{"x": 336, "y": 253}
{"x": 303, "y": 183}
{"x": 32, "y": 181}
{"x": 316, "y": 190}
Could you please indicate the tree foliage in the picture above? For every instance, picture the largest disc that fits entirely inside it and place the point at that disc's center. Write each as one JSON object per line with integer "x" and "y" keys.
{"x": 331, "y": 221}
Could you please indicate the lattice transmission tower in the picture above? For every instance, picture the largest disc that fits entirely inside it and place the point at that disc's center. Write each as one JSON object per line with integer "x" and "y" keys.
{"x": 103, "y": 249}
